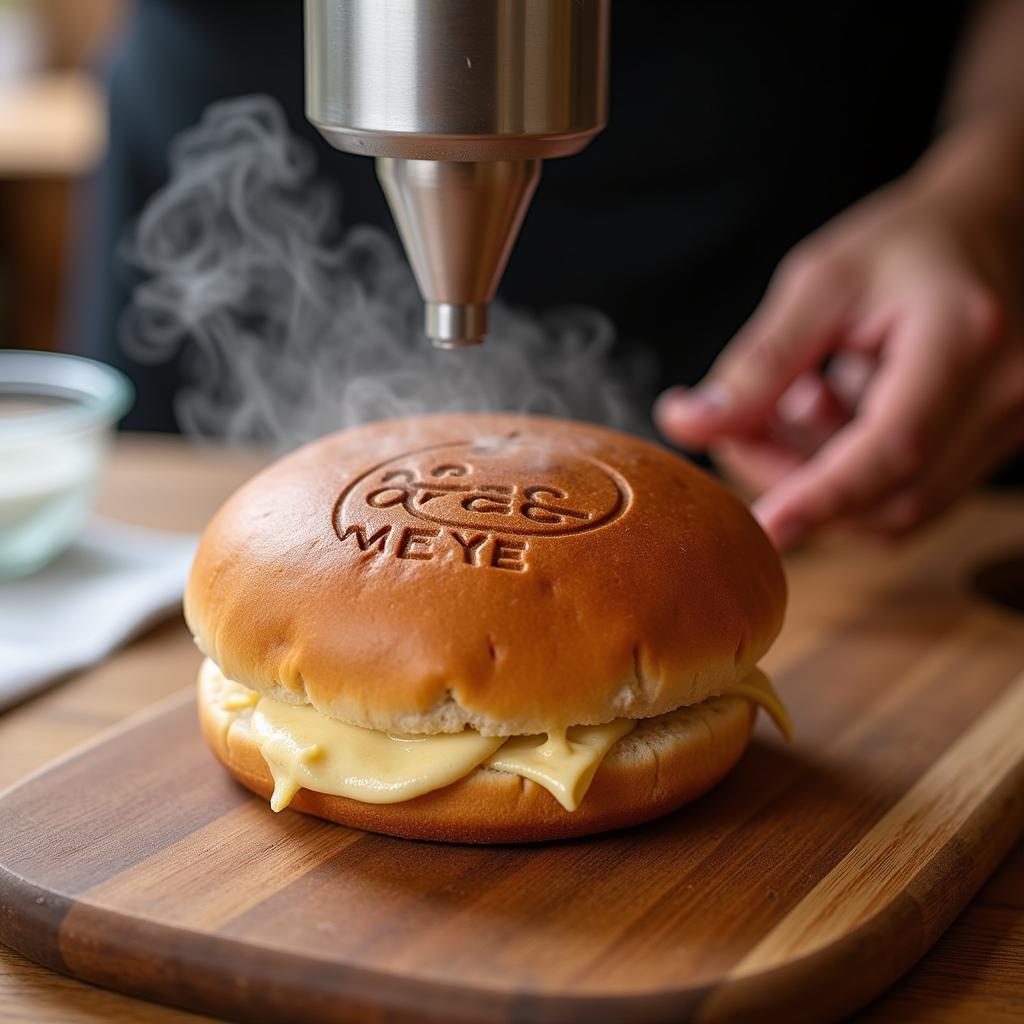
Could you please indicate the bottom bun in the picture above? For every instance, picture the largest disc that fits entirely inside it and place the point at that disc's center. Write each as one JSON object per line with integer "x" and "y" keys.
{"x": 664, "y": 763}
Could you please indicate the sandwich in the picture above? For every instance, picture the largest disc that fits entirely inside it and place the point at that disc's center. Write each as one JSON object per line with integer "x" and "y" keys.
{"x": 483, "y": 628}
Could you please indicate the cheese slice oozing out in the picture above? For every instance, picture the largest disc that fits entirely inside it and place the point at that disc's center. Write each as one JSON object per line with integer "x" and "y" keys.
{"x": 563, "y": 763}
{"x": 758, "y": 689}
{"x": 306, "y": 750}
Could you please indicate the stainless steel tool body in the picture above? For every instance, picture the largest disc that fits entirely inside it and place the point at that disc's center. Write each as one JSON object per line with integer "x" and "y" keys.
{"x": 459, "y": 101}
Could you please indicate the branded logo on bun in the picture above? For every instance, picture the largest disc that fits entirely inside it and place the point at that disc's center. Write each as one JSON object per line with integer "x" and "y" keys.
{"x": 478, "y": 500}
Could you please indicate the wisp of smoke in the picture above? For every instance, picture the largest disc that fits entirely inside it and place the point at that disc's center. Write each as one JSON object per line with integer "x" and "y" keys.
{"x": 296, "y": 328}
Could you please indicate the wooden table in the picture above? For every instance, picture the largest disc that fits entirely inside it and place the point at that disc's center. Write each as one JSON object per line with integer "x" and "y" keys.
{"x": 975, "y": 972}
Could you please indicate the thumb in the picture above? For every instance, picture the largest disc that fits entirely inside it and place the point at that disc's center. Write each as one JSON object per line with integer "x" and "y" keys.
{"x": 800, "y": 319}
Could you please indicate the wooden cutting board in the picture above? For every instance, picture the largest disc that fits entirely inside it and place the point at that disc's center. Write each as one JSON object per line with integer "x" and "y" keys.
{"x": 799, "y": 889}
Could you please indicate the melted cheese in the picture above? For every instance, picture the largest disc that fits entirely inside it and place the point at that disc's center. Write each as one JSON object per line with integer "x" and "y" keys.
{"x": 758, "y": 689}
{"x": 224, "y": 693}
{"x": 239, "y": 699}
{"x": 306, "y": 750}
{"x": 563, "y": 763}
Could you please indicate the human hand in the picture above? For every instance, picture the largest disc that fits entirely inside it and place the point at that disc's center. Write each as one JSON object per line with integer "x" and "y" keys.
{"x": 883, "y": 373}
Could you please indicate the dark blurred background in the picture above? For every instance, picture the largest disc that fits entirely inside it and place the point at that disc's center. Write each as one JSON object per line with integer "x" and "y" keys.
{"x": 736, "y": 128}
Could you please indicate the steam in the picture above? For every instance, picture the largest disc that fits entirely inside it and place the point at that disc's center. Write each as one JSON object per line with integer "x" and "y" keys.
{"x": 295, "y": 327}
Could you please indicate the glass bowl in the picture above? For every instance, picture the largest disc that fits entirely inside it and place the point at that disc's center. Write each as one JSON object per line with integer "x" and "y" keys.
{"x": 57, "y": 417}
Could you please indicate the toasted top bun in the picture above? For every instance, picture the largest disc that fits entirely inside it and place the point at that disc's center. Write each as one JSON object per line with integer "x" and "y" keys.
{"x": 514, "y": 573}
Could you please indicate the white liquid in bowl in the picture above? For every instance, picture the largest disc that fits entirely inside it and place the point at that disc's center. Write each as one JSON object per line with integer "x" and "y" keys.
{"x": 33, "y": 481}
{"x": 46, "y": 484}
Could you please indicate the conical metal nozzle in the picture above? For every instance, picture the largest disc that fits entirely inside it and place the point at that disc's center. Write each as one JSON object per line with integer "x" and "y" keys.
{"x": 458, "y": 221}
{"x": 459, "y": 100}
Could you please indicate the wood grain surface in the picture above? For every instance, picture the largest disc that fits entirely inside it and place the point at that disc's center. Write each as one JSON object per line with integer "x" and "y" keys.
{"x": 903, "y": 773}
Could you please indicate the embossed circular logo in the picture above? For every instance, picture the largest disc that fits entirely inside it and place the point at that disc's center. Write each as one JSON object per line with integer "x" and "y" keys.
{"x": 511, "y": 485}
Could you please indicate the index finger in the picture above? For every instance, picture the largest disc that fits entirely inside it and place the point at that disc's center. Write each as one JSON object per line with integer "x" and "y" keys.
{"x": 918, "y": 385}
{"x": 795, "y": 326}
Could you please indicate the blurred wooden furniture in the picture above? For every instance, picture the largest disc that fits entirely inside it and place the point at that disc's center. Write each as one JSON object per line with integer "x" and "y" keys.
{"x": 975, "y": 972}
{"x": 52, "y": 134}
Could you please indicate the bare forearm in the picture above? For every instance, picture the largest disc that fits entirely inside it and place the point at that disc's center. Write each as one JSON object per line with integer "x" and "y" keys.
{"x": 977, "y": 161}
{"x": 988, "y": 80}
